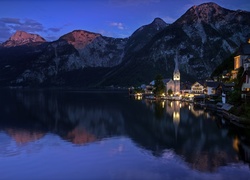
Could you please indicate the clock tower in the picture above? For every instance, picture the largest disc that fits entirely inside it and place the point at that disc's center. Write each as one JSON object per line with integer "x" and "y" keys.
{"x": 176, "y": 76}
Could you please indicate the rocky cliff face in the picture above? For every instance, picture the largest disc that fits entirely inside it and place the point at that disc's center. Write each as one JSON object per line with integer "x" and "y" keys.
{"x": 203, "y": 37}
{"x": 144, "y": 34}
{"x": 96, "y": 50}
{"x": 23, "y": 38}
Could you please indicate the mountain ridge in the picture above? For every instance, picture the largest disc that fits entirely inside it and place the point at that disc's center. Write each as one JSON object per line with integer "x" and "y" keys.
{"x": 204, "y": 35}
{"x": 20, "y": 38}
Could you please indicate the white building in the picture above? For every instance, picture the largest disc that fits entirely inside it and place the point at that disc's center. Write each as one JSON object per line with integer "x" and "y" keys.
{"x": 197, "y": 88}
{"x": 174, "y": 84}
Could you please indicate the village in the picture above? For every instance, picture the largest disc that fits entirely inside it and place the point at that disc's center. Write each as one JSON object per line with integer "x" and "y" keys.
{"x": 228, "y": 94}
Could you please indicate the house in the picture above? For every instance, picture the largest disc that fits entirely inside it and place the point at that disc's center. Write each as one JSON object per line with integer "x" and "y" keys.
{"x": 212, "y": 88}
{"x": 185, "y": 88}
{"x": 242, "y": 59}
{"x": 245, "y": 88}
{"x": 197, "y": 88}
{"x": 228, "y": 87}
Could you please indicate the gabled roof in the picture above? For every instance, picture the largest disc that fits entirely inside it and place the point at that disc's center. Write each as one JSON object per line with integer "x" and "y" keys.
{"x": 198, "y": 83}
{"x": 213, "y": 84}
{"x": 163, "y": 80}
{"x": 166, "y": 80}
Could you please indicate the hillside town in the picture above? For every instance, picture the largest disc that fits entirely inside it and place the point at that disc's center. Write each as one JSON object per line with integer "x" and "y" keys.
{"x": 225, "y": 93}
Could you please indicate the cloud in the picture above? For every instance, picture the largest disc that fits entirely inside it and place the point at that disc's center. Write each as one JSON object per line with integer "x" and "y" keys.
{"x": 118, "y": 25}
{"x": 10, "y": 25}
{"x": 54, "y": 29}
{"x": 14, "y": 24}
{"x": 10, "y": 20}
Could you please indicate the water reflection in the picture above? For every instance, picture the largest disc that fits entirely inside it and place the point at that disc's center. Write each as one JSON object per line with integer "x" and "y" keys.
{"x": 23, "y": 136}
{"x": 198, "y": 138}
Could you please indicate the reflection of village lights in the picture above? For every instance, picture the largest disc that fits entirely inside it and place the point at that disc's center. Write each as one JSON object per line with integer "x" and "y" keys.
{"x": 207, "y": 115}
{"x": 176, "y": 117}
{"x": 189, "y": 107}
{"x": 180, "y": 105}
{"x": 138, "y": 96}
{"x": 163, "y": 104}
{"x": 171, "y": 104}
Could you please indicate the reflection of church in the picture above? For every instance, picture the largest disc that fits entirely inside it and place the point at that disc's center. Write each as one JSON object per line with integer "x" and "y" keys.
{"x": 173, "y": 109}
{"x": 174, "y": 84}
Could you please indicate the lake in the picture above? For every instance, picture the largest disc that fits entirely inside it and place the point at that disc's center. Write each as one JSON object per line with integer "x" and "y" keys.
{"x": 70, "y": 134}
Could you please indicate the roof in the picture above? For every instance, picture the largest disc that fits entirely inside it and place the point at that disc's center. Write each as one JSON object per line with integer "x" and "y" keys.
{"x": 244, "y": 49}
{"x": 213, "y": 84}
{"x": 166, "y": 80}
{"x": 199, "y": 82}
{"x": 226, "y": 106}
{"x": 229, "y": 84}
{"x": 163, "y": 80}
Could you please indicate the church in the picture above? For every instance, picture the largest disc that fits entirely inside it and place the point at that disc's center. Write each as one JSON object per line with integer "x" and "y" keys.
{"x": 174, "y": 84}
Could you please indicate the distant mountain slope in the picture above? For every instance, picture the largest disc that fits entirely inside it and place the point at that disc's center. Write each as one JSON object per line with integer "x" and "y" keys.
{"x": 144, "y": 34}
{"x": 23, "y": 38}
{"x": 96, "y": 50}
{"x": 203, "y": 37}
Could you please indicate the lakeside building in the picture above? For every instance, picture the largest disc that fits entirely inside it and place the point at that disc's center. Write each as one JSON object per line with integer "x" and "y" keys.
{"x": 197, "y": 88}
{"x": 242, "y": 59}
{"x": 174, "y": 84}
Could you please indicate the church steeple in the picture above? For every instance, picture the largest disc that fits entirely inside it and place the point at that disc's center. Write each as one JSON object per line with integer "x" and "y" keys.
{"x": 176, "y": 74}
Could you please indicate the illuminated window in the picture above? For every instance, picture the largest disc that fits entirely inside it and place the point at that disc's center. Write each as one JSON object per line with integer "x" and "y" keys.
{"x": 237, "y": 63}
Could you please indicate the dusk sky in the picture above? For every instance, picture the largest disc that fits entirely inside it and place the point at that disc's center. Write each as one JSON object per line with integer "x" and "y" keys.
{"x": 114, "y": 18}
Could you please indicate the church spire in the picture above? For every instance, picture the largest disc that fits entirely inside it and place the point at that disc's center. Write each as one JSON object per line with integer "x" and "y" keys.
{"x": 176, "y": 61}
{"x": 176, "y": 69}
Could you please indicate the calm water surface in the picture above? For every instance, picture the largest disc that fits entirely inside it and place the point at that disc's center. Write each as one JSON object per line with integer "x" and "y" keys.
{"x": 53, "y": 134}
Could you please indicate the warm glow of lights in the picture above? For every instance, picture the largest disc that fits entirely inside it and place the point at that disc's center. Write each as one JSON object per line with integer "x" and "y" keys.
{"x": 189, "y": 107}
{"x": 176, "y": 117}
{"x": 138, "y": 96}
{"x": 163, "y": 104}
{"x": 180, "y": 105}
{"x": 171, "y": 104}
{"x": 237, "y": 63}
{"x": 236, "y": 143}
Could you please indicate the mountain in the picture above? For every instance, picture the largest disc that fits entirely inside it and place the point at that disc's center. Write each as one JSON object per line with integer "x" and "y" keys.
{"x": 23, "y": 38}
{"x": 144, "y": 34}
{"x": 202, "y": 37}
{"x": 96, "y": 50}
